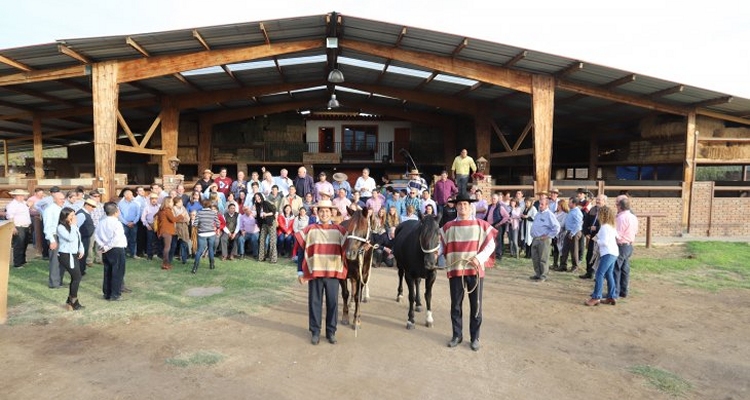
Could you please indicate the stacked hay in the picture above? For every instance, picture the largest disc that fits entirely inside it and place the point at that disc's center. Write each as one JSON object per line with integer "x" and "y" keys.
{"x": 728, "y": 150}
{"x": 732, "y": 133}
{"x": 656, "y": 128}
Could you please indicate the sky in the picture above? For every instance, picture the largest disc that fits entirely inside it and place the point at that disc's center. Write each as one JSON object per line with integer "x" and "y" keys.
{"x": 682, "y": 41}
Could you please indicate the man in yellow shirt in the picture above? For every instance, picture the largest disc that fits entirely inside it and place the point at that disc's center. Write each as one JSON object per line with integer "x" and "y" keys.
{"x": 463, "y": 166}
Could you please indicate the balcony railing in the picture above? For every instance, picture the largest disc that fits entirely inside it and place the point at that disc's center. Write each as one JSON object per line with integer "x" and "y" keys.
{"x": 348, "y": 152}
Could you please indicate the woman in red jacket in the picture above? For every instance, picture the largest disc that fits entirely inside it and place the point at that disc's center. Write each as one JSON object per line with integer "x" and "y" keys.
{"x": 285, "y": 231}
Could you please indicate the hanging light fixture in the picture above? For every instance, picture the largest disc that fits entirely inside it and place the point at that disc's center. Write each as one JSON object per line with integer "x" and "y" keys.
{"x": 336, "y": 76}
{"x": 333, "y": 103}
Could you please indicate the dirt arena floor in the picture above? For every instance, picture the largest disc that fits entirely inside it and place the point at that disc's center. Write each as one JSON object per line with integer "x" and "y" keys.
{"x": 538, "y": 342}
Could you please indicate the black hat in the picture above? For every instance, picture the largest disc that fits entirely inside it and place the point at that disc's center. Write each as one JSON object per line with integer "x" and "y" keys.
{"x": 461, "y": 197}
{"x": 54, "y": 189}
{"x": 581, "y": 190}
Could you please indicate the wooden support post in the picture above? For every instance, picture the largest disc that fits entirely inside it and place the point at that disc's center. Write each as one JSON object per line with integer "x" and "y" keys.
{"x": 170, "y": 123}
{"x": 543, "y": 103}
{"x": 105, "y": 91}
{"x": 5, "y": 152}
{"x": 483, "y": 127}
{"x": 6, "y": 235}
{"x": 205, "y": 128}
{"x": 38, "y": 153}
{"x": 593, "y": 156}
{"x": 691, "y": 138}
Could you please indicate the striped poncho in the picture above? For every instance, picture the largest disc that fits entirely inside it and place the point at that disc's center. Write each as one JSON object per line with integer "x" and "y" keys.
{"x": 464, "y": 239}
{"x": 324, "y": 251}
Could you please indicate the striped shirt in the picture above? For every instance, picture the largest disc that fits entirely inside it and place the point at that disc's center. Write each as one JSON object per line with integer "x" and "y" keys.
{"x": 465, "y": 239}
{"x": 207, "y": 221}
{"x": 324, "y": 251}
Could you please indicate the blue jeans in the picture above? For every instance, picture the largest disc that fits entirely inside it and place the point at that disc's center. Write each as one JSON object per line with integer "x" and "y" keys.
{"x": 605, "y": 270}
{"x": 184, "y": 251}
{"x": 203, "y": 243}
{"x": 132, "y": 235}
{"x": 252, "y": 238}
{"x": 462, "y": 181}
{"x": 284, "y": 243}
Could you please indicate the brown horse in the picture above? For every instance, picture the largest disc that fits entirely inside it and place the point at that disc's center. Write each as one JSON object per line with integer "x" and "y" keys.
{"x": 359, "y": 254}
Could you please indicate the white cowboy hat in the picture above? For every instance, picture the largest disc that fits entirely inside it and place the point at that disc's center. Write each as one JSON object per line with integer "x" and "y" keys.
{"x": 19, "y": 192}
{"x": 340, "y": 177}
{"x": 324, "y": 204}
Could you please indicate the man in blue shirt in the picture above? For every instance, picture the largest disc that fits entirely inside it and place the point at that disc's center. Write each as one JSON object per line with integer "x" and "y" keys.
{"x": 130, "y": 213}
{"x": 397, "y": 202}
{"x": 544, "y": 228}
{"x": 573, "y": 227}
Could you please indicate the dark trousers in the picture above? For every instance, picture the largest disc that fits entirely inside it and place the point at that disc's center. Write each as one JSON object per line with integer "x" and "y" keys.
{"x": 140, "y": 239}
{"x": 581, "y": 246}
{"x": 153, "y": 244}
{"x": 571, "y": 247}
{"x": 589, "y": 256}
{"x": 70, "y": 263}
{"x": 500, "y": 240}
{"x": 114, "y": 272}
{"x": 20, "y": 243}
{"x": 317, "y": 287}
{"x": 132, "y": 235}
{"x": 475, "y": 305}
{"x": 82, "y": 262}
{"x": 622, "y": 269}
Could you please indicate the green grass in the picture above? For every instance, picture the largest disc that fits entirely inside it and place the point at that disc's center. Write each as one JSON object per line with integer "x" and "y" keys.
{"x": 662, "y": 380}
{"x": 247, "y": 287}
{"x": 200, "y": 358}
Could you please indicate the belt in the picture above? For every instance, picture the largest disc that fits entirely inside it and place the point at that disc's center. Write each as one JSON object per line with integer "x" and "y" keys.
{"x": 625, "y": 244}
{"x": 24, "y": 226}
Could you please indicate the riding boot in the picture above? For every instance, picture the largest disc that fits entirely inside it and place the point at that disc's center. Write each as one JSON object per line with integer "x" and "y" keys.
{"x": 211, "y": 266}
{"x": 77, "y": 305}
{"x": 195, "y": 269}
{"x": 69, "y": 304}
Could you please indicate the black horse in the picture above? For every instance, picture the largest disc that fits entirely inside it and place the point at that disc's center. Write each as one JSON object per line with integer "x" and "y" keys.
{"x": 359, "y": 254}
{"x": 415, "y": 247}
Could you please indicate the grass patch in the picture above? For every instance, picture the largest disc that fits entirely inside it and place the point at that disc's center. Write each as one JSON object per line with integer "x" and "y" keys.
{"x": 247, "y": 286}
{"x": 662, "y": 380}
{"x": 200, "y": 358}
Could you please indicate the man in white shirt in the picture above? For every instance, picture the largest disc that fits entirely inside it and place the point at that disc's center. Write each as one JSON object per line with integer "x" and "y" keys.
{"x": 110, "y": 237}
{"x": 17, "y": 211}
{"x": 365, "y": 185}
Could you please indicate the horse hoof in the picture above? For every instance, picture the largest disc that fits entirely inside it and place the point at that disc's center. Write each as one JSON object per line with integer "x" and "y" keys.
{"x": 409, "y": 325}
{"x": 399, "y": 298}
{"x": 365, "y": 300}
{"x": 418, "y": 309}
{"x": 344, "y": 322}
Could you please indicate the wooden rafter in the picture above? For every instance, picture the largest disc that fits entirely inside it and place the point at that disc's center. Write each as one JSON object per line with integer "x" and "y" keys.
{"x": 139, "y": 150}
{"x": 570, "y": 69}
{"x": 267, "y": 39}
{"x": 62, "y": 48}
{"x": 518, "y": 57}
{"x": 500, "y": 135}
{"x": 666, "y": 92}
{"x": 525, "y": 133}
{"x": 197, "y": 35}
{"x": 53, "y": 134}
{"x": 217, "y": 96}
{"x": 400, "y": 37}
{"x": 15, "y": 64}
{"x": 45, "y": 75}
{"x": 132, "y": 43}
{"x": 619, "y": 82}
{"x": 465, "y": 106}
{"x": 464, "y": 43}
{"x": 427, "y": 80}
{"x": 235, "y": 114}
{"x": 637, "y": 101}
{"x": 713, "y": 102}
{"x": 33, "y": 93}
{"x": 126, "y": 128}
{"x": 150, "y": 132}
{"x": 469, "y": 89}
{"x": 500, "y": 76}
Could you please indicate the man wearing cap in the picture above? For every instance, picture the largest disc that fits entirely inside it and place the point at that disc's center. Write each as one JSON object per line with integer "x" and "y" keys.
{"x": 51, "y": 218}
{"x": 553, "y": 194}
{"x": 544, "y": 228}
{"x": 323, "y": 187}
{"x": 17, "y": 211}
{"x": 462, "y": 167}
{"x": 86, "y": 228}
{"x": 206, "y": 181}
{"x": 468, "y": 245}
{"x": 365, "y": 185}
{"x": 340, "y": 182}
{"x": 322, "y": 265}
{"x": 147, "y": 219}
{"x": 416, "y": 181}
{"x": 444, "y": 190}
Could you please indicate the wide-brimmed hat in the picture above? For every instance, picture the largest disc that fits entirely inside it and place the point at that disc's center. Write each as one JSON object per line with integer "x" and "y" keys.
{"x": 415, "y": 172}
{"x": 19, "y": 192}
{"x": 340, "y": 177}
{"x": 90, "y": 202}
{"x": 461, "y": 197}
{"x": 153, "y": 196}
{"x": 554, "y": 190}
{"x": 324, "y": 204}
{"x": 207, "y": 171}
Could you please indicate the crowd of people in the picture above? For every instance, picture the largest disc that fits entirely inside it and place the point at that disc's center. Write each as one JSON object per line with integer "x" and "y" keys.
{"x": 268, "y": 217}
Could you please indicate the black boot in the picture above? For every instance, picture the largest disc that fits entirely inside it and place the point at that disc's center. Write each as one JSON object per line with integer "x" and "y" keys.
{"x": 195, "y": 269}
{"x": 77, "y": 305}
{"x": 212, "y": 266}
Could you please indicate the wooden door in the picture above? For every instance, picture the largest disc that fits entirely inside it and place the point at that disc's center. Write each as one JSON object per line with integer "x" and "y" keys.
{"x": 401, "y": 137}
{"x": 325, "y": 140}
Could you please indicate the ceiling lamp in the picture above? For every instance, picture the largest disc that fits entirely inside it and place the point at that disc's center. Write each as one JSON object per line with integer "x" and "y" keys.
{"x": 333, "y": 103}
{"x": 336, "y": 76}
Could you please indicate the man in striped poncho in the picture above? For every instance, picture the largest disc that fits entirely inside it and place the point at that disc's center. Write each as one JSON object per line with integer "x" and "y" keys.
{"x": 322, "y": 266}
{"x": 468, "y": 245}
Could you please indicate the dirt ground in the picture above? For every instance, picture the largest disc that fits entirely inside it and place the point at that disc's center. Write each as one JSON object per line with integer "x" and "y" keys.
{"x": 538, "y": 342}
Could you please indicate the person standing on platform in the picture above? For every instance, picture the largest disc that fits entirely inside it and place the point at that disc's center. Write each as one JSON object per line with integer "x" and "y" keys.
{"x": 463, "y": 167}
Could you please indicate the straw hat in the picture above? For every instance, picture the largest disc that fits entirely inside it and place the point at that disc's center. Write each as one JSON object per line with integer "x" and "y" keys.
{"x": 340, "y": 177}
{"x": 554, "y": 190}
{"x": 324, "y": 204}
{"x": 153, "y": 196}
{"x": 90, "y": 202}
{"x": 207, "y": 171}
{"x": 19, "y": 192}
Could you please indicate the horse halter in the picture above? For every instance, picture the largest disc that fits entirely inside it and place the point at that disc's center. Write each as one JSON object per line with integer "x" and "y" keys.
{"x": 364, "y": 239}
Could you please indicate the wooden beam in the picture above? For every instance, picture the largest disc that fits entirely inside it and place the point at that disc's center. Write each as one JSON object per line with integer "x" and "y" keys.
{"x": 515, "y": 153}
{"x": 138, "y": 150}
{"x": 398, "y": 112}
{"x": 38, "y": 148}
{"x": 105, "y": 96}
{"x": 45, "y": 75}
{"x": 15, "y": 64}
{"x": 126, "y": 128}
{"x": 132, "y": 43}
{"x": 145, "y": 68}
{"x": 666, "y": 92}
{"x": 516, "y": 59}
{"x": 197, "y": 35}
{"x": 619, "y": 97}
{"x": 525, "y": 133}
{"x": 170, "y": 126}
{"x": 688, "y": 177}
{"x": 40, "y": 95}
{"x": 72, "y": 53}
{"x": 186, "y": 82}
{"x": 725, "y": 117}
{"x": 619, "y": 82}
{"x": 193, "y": 100}
{"x": 723, "y": 140}
{"x": 713, "y": 102}
{"x": 401, "y": 37}
{"x": 464, "y": 43}
{"x": 500, "y": 135}
{"x": 205, "y": 138}
{"x": 569, "y": 70}
{"x": 53, "y": 134}
{"x": 465, "y": 106}
{"x": 543, "y": 102}
{"x": 499, "y": 76}
{"x": 150, "y": 132}
{"x": 483, "y": 126}
{"x": 236, "y": 114}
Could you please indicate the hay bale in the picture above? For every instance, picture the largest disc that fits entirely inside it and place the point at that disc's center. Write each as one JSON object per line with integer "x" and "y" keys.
{"x": 656, "y": 128}
{"x": 732, "y": 133}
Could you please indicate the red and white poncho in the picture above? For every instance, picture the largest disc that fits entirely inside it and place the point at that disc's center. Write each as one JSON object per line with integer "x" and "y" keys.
{"x": 464, "y": 239}
{"x": 323, "y": 251}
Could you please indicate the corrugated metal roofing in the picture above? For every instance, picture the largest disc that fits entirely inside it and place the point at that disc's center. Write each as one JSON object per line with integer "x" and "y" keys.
{"x": 359, "y": 68}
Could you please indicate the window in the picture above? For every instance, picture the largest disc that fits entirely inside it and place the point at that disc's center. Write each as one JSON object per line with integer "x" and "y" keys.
{"x": 360, "y": 139}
